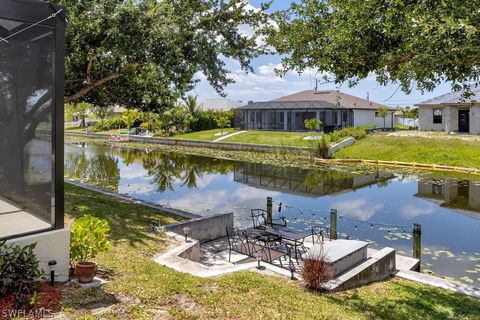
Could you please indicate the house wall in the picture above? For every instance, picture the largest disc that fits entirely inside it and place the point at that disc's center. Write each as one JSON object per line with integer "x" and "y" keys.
{"x": 475, "y": 120}
{"x": 52, "y": 245}
{"x": 425, "y": 119}
{"x": 367, "y": 118}
{"x": 449, "y": 120}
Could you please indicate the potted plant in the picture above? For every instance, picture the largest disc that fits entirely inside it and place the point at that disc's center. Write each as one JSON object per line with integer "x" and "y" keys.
{"x": 88, "y": 237}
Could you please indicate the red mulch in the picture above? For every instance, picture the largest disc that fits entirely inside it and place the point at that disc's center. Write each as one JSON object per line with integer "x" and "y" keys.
{"x": 48, "y": 298}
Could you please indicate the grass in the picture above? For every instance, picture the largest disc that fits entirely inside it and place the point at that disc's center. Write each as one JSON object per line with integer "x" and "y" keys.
{"x": 272, "y": 138}
{"x": 437, "y": 149}
{"x": 207, "y": 135}
{"x": 255, "y": 137}
{"x": 141, "y": 289}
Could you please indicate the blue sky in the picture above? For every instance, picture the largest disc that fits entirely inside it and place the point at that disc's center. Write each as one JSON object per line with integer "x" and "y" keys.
{"x": 264, "y": 85}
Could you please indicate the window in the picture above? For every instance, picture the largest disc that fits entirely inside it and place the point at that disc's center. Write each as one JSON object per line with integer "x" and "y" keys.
{"x": 437, "y": 115}
{"x": 437, "y": 189}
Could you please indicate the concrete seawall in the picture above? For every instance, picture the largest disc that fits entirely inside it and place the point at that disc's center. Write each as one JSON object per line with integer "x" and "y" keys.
{"x": 235, "y": 146}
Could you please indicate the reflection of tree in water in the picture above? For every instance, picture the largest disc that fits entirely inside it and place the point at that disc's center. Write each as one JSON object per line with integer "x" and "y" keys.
{"x": 317, "y": 178}
{"x": 100, "y": 169}
{"x": 168, "y": 168}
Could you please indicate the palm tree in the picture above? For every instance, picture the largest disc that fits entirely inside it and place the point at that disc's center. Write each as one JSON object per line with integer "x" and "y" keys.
{"x": 191, "y": 105}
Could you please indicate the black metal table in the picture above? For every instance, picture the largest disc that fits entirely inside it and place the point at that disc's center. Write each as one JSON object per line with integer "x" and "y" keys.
{"x": 295, "y": 237}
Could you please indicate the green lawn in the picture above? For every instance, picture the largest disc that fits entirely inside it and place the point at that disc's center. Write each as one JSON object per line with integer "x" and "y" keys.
{"x": 272, "y": 138}
{"x": 255, "y": 137}
{"x": 436, "y": 149}
{"x": 208, "y": 135}
{"x": 141, "y": 289}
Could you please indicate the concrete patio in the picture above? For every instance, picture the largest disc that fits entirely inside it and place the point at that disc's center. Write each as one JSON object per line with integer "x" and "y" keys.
{"x": 14, "y": 220}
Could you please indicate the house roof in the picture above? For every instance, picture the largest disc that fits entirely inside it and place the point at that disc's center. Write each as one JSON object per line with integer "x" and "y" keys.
{"x": 311, "y": 99}
{"x": 454, "y": 97}
{"x": 219, "y": 104}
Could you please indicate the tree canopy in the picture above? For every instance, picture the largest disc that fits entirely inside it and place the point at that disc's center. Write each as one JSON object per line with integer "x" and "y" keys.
{"x": 417, "y": 43}
{"x": 147, "y": 53}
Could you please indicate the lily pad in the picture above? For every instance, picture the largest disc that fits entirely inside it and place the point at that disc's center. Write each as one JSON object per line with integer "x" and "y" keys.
{"x": 471, "y": 271}
{"x": 466, "y": 279}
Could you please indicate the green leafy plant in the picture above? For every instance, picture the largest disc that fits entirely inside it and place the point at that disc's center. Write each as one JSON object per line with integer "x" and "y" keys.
{"x": 222, "y": 122}
{"x": 320, "y": 146}
{"x": 313, "y": 124}
{"x": 88, "y": 237}
{"x": 19, "y": 269}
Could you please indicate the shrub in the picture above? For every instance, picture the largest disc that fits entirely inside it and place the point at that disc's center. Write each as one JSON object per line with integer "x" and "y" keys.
{"x": 313, "y": 124}
{"x": 109, "y": 124}
{"x": 356, "y": 132}
{"x": 320, "y": 146}
{"x": 315, "y": 271}
{"x": 88, "y": 238}
{"x": 19, "y": 269}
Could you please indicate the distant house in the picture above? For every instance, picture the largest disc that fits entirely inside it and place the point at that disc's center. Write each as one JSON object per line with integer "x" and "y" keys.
{"x": 219, "y": 105}
{"x": 335, "y": 109}
{"x": 451, "y": 113}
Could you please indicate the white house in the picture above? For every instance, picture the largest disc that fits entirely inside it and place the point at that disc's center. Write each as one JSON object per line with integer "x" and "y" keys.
{"x": 451, "y": 113}
{"x": 334, "y": 109}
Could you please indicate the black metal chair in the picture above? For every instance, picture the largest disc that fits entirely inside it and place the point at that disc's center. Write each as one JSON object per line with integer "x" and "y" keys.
{"x": 319, "y": 233}
{"x": 249, "y": 244}
{"x": 259, "y": 219}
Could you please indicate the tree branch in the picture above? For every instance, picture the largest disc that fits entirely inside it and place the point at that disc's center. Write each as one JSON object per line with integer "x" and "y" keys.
{"x": 82, "y": 92}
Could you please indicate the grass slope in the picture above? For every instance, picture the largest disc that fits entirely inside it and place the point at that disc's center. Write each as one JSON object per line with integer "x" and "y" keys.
{"x": 436, "y": 150}
{"x": 141, "y": 289}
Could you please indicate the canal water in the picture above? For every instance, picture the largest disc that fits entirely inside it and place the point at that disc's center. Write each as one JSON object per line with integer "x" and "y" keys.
{"x": 447, "y": 209}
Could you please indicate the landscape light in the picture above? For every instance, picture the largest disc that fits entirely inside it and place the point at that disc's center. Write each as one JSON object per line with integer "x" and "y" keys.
{"x": 291, "y": 267}
{"x": 186, "y": 231}
{"x": 259, "y": 256}
{"x": 51, "y": 265}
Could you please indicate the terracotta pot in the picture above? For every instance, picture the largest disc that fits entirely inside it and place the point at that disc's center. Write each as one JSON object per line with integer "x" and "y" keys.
{"x": 85, "y": 271}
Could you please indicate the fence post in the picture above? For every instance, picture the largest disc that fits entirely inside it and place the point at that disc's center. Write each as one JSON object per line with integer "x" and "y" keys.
{"x": 417, "y": 242}
{"x": 333, "y": 224}
{"x": 269, "y": 210}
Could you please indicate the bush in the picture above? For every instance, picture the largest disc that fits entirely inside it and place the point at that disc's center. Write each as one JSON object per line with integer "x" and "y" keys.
{"x": 19, "y": 269}
{"x": 356, "y": 132}
{"x": 315, "y": 271}
{"x": 88, "y": 238}
{"x": 320, "y": 146}
{"x": 109, "y": 124}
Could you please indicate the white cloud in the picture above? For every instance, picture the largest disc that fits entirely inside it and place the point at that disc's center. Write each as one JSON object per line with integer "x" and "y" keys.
{"x": 250, "y": 193}
{"x": 410, "y": 211}
{"x": 357, "y": 208}
{"x": 202, "y": 201}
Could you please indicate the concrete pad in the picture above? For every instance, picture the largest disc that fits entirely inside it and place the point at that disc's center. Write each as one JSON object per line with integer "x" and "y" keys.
{"x": 14, "y": 220}
{"x": 439, "y": 283}
{"x": 228, "y": 136}
{"x": 96, "y": 283}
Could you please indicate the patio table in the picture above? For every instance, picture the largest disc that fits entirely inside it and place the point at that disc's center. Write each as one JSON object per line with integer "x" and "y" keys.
{"x": 291, "y": 235}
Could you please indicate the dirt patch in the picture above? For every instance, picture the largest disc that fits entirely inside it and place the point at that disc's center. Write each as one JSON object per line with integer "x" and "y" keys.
{"x": 434, "y": 135}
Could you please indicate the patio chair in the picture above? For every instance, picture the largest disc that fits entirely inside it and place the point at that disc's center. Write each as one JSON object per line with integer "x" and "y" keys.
{"x": 242, "y": 242}
{"x": 319, "y": 233}
{"x": 239, "y": 242}
{"x": 259, "y": 219}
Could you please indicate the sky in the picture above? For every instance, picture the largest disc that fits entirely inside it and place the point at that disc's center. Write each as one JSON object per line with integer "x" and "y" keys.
{"x": 264, "y": 85}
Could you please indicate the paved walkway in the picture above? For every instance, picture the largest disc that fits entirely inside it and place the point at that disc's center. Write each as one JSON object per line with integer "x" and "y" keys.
{"x": 229, "y": 135}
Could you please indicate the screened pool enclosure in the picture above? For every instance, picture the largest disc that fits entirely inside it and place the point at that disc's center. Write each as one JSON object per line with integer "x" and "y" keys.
{"x": 31, "y": 117}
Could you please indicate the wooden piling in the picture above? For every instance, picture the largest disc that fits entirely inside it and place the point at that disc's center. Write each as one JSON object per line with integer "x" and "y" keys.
{"x": 269, "y": 210}
{"x": 333, "y": 224}
{"x": 417, "y": 242}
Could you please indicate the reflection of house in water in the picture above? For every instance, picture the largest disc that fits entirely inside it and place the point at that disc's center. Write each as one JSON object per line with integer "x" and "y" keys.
{"x": 451, "y": 193}
{"x": 302, "y": 181}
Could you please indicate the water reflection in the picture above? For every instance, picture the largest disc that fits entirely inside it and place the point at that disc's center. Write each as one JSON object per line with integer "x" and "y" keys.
{"x": 451, "y": 193}
{"x": 204, "y": 185}
{"x": 313, "y": 183}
